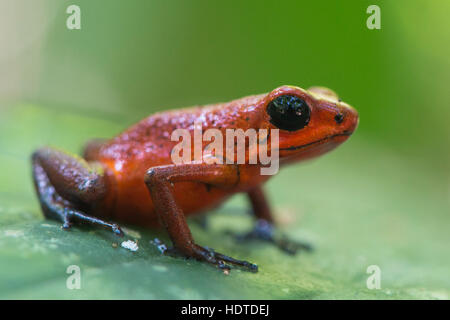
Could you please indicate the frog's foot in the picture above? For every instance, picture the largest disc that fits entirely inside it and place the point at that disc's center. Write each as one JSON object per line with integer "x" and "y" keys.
{"x": 56, "y": 208}
{"x": 208, "y": 255}
{"x": 70, "y": 216}
{"x": 265, "y": 231}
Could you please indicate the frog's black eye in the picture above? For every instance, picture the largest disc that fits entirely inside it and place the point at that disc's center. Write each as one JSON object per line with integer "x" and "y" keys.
{"x": 289, "y": 112}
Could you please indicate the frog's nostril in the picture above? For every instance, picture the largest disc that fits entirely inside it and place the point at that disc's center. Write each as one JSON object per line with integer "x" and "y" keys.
{"x": 339, "y": 118}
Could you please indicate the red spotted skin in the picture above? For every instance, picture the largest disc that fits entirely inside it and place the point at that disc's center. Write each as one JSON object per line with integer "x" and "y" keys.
{"x": 127, "y": 157}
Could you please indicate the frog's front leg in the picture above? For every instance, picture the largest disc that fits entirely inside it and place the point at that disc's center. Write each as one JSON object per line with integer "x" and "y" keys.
{"x": 67, "y": 187}
{"x": 159, "y": 181}
{"x": 264, "y": 227}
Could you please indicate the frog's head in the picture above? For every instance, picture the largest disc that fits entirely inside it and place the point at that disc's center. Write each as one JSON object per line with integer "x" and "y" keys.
{"x": 310, "y": 122}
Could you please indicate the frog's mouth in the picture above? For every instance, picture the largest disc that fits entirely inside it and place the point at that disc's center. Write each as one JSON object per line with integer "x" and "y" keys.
{"x": 323, "y": 140}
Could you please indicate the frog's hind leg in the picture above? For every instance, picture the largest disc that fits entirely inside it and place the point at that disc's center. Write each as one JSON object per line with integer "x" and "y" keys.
{"x": 68, "y": 187}
{"x": 264, "y": 227}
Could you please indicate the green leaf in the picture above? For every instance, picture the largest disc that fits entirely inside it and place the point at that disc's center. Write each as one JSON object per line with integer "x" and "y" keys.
{"x": 361, "y": 205}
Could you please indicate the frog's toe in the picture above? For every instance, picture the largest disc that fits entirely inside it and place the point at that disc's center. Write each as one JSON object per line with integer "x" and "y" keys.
{"x": 291, "y": 246}
{"x": 219, "y": 260}
{"x": 241, "y": 263}
{"x": 265, "y": 231}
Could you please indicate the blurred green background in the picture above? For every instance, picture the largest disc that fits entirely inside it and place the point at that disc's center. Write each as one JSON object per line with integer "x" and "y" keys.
{"x": 383, "y": 198}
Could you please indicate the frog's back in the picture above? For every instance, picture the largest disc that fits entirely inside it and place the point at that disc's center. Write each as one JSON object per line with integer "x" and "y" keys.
{"x": 149, "y": 141}
{"x": 127, "y": 157}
